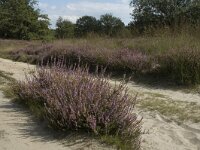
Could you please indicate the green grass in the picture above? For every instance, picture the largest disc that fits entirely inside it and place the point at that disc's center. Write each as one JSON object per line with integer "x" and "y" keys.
{"x": 118, "y": 142}
{"x": 174, "y": 110}
{"x": 7, "y": 46}
{"x": 6, "y": 82}
{"x": 5, "y": 77}
{"x": 152, "y": 44}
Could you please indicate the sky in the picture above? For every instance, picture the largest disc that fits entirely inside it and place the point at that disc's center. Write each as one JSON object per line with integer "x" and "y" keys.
{"x": 73, "y": 9}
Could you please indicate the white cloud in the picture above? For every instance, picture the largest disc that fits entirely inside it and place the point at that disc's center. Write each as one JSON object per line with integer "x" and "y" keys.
{"x": 120, "y": 9}
{"x": 54, "y": 18}
{"x": 53, "y": 7}
{"x": 126, "y": 1}
{"x": 71, "y": 7}
{"x": 71, "y": 18}
{"x": 43, "y": 5}
{"x": 95, "y": 7}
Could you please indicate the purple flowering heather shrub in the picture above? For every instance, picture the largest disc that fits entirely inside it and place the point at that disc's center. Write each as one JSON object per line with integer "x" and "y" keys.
{"x": 76, "y": 100}
{"x": 114, "y": 60}
{"x": 134, "y": 60}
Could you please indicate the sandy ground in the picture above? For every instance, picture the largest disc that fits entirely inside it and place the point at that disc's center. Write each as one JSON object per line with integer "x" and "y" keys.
{"x": 19, "y": 132}
{"x": 161, "y": 133}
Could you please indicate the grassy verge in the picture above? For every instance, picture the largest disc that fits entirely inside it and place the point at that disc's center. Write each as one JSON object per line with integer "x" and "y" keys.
{"x": 6, "y": 81}
{"x": 5, "y": 76}
{"x": 8, "y": 45}
{"x": 178, "y": 111}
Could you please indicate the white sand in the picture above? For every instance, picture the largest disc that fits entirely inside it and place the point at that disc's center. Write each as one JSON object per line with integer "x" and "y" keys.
{"x": 19, "y": 132}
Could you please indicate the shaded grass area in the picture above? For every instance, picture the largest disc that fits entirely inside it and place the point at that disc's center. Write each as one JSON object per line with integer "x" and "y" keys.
{"x": 6, "y": 82}
{"x": 5, "y": 77}
{"x": 178, "y": 111}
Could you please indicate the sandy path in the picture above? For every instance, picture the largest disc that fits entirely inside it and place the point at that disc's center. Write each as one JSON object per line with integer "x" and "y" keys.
{"x": 17, "y": 131}
{"x": 16, "y": 68}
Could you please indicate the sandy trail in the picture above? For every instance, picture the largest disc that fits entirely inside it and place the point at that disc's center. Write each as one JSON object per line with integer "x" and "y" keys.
{"x": 18, "y": 131}
{"x": 16, "y": 68}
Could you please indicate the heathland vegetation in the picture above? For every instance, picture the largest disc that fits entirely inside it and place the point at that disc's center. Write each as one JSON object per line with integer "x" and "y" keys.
{"x": 162, "y": 42}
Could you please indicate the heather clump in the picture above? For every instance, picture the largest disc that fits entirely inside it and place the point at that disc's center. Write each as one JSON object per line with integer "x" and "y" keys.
{"x": 115, "y": 60}
{"x": 133, "y": 60}
{"x": 72, "y": 99}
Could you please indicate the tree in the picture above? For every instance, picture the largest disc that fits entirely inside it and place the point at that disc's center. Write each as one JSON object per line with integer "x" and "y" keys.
{"x": 111, "y": 25}
{"x": 171, "y": 13}
{"x": 20, "y": 20}
{"x": 86, "y": 25}
{"x": 65, "y": 28}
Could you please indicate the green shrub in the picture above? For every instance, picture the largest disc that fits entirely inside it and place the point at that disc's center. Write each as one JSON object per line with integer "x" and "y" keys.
{"x": 183, "y": 66}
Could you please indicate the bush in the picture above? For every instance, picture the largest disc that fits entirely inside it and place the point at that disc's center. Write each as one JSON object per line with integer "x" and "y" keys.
{"x": 182, "y": 66}
{"x": 72, "y": 99}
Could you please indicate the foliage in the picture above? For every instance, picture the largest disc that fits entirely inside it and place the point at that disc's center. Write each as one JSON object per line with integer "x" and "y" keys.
{"x": 182, "y": 66}
{"x": 107, "y": 25}
{"x": 86, "y": 25}
{"x": 159, "y": 13}
{"x": 65, "y": 29}
{"x": 64, "y": 97}
{"x": 20, "y": 20}
{"x": 110, "y": 25}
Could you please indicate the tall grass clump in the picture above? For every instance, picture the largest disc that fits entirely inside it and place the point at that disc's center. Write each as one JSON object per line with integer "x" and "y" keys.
{"x": 72, "y": 99}
{"x": 8, "y": 45}
{"x": 182, "y": 66}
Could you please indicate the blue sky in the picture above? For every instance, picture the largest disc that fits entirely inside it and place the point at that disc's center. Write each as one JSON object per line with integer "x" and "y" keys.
{"x": 73, "y": 9}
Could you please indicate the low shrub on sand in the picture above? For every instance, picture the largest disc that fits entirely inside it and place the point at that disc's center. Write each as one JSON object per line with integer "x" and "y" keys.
{"x": 72, "y": 99}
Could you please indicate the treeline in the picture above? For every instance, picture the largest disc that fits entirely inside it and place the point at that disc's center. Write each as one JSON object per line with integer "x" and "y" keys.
{"x": 20, "y": 19}
{"x": 107, "y": 25}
